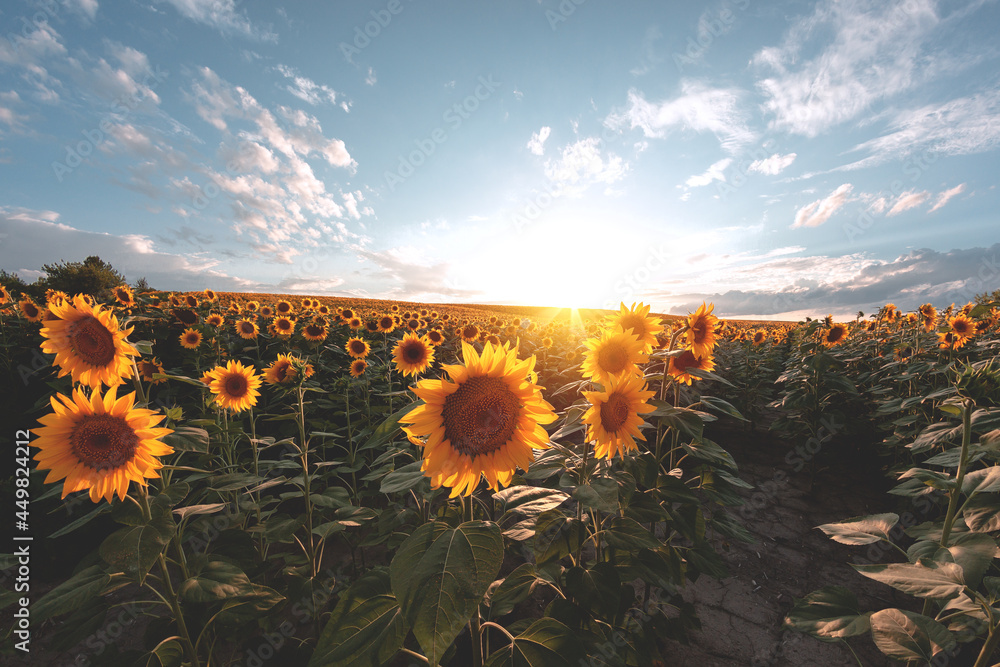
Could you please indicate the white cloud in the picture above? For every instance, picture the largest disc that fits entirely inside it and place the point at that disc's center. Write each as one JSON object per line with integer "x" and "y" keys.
{"x": 537, "y": 143}
{"x": 908, "y": 200}
{"x": 306, "y": 89}
{"x": 945, "y": 196}
{"x": 773, "y": 165}
{"x": 963, "y": 126}
{"x": 221, "y": 15}
{"x": 581, "y": 165}
{"x": 714, "y": 173}
{"x": 698, "y": 108}
{"x": 371, "y": 79}
{"x": 415, "y": 280}
{"x": 85, "y": 8}
{"x": 819, "y": 211}
{"x": 869, "y": 50}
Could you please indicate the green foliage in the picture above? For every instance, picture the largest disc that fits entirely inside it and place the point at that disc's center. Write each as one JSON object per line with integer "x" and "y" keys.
{"x": 91, "y": 276}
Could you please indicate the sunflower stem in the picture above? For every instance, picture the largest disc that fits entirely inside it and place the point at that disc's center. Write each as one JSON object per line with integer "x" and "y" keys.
{"x": 310, "y": 547}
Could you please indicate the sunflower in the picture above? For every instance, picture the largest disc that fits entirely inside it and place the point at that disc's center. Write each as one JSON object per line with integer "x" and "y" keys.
{"x": 413, "y": 324}
{"x": 185, "y": 316}
{"x": 614, "y": 353}
{"x": 246, "y": 329}
{"x": 4, "y": 296}
{"x": 285, "y": 370}
{"x": 88, "y": 344}
{"x": 323, "y": 309}
{"x": 55, "y": 296}
{"x": 191, "y": 300}
{"x": 283, "y": 326}
{"x": 149, "y": 367}
{"x": 413, "y": 354}
{"x": 252, "y": 306}
{"x": 283, "y": 308}
{"x": 235, "y": 308}
{"x": 30, "y": 310}
{"x": 124, "y": 296}
{"x": 358, "y": 368}
{"x": 759, "y": 336}
{"x": 636, "y": 319}
{"x": 679, "y": 364}
{"x": 434, "y": 337}
{"x": 210, "y": 295}
{"x": 962, "y": 327}
{"x": 358, "y": 348}
{"x": 235, "y": 386}
{"x": 834, "y": 335}
{"x": 546, "y": 342}
{"x": 314, "y": 332}
{"x": 948, "y": 340}
{"x": 483, "y": 422}
{"x": 266, "y": 311}
{"x": 493, "y": 339}
{"x": 346, "y": 314}
{"x": 614, "y": 415}
{"x": 354, "y": 323}
{"x": 191, "y": 339}
{"x": 214, "y": 320}
{"x": 371, "y": 325}
{"x": 386, "y": 324}
{"x": 99, "y": 443}
{"x": 570, "y": 356}
{"x": 701, "y": 330}
{"x": 470, "y": 333}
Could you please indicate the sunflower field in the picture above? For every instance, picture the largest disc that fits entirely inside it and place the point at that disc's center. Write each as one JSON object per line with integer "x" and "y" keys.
{"x": 246, "y": 478}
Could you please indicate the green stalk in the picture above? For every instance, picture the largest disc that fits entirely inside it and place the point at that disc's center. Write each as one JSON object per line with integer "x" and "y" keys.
{"x": 989, "y": 647}
{"x": 475, "y": 623}
{"x": 310, "y": 547}
{"x": 962, "y": 464}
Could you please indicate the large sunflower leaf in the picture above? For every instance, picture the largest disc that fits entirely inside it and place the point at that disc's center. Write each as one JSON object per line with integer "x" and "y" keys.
{"x": 925, "y": 578}
{"x": 440, "y": 575}
{"x": 830, "y": 614}
{"x": 70, "y": 594}
{"x": 134, "y": 549}
{"x": 545, "y": 643}
{"x": 862, "y": 529}
{"x": 905, "y": 635}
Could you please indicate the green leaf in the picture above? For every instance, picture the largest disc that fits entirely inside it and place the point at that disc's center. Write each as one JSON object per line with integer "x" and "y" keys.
{"x": 83, "y": 520}
{"x": 134, "y": 549}
{"x": 973, "y": 551}
{"x": 188, "y": 439}
{"x": 905, "y": 635}
{"x": 217, "y": 580}
{"x": 168, "y": 653}
{"x": 366, "y": 626}
{"x": 925, "y": 578}
{"x": 517, "y": 586}
{"x": 545, "y": 643}
{"x": 281, "y": 528}
{"x": 862, "y": 529}
{"x": 555, "y": 536}
{"x": 722, "y": 406}
{"x": 71, "y": 594}
{"x": 440, "y": 575}
{"x": 388, "y": 428}
{"x": 829, "y": 614}
{"x": 982, "y": 513}
{"x": 630, "y": 535}
{"x": 601, "y": 494}
{"x": 192, "y": 510}
{"x": 403, "y": 479}
{"x": 530, "y": 500}
{"x": 985, "y": 480}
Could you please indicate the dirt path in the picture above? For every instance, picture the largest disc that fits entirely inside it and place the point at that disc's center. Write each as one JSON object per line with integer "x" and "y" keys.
{"x": 742, "y": 616}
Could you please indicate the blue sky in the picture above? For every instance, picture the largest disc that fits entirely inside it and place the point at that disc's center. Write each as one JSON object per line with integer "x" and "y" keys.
{"x": 778, "y": 159}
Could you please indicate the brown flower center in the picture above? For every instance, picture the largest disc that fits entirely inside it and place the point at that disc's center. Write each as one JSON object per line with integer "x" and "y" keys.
{"x": 481, "y": 416}
{"x": 612, "y": 358}
{"x": 357, "y": 347}
{"x": 414, "y": 352}
{"x": 92, "y": 341}
{"x": 103, "y": 442}
{"x": 614, "y": 412}
{"x": 236, "y": 385}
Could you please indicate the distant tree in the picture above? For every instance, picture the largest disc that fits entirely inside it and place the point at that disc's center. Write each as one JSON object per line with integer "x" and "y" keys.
{"x": 14, "y": 284}
{"x": 91, "y": 276}
{"x": 141, "y": 285}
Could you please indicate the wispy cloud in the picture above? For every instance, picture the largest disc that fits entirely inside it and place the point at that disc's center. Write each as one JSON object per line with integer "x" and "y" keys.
{"x": 582, "y": 164}
{"x": 946, "y": 196}
{"x": 223, "y": 16}
{"x": 772, "y": 165}
{"x": 714, "y": 173}
{"x": 308, "y": 90}
{"x": 908, "y": 200}
{"x": 537, "y": 143}
{"x": 819, "y": 211}
{"x": 869, "y": 50}
{"x": 698, "y": 108}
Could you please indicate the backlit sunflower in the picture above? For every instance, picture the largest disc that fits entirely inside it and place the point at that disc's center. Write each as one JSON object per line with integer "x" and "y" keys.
{"x": 962, "y": 327}
{"x": 614, "y": 415}
{"x": 948, "y": 340}
{"x": 470, "y": 333}
{"x": 358, "y": 348}
{"x": 191, "y": 300}
{"x": 215, "y": 320}
{"x": 283, "y": 326}
{"x": 482, "y": 422}
{"x": 4, "y": 296}
{"x": 99, "y": 443}
{"x": 614, "y": 353}
{"x": 246, "y": 329}
{"x": 637, "y": 320}
{"x": 759, "y": 336}
{"x": 493, "y": 339}
{"x": 210, "y": 295}
{"x": 285, "y": 370}
{"x": 149, "y": 367}
{"x": 358, "y": 368}
{"x": 834, "y": 335}
{"x": 235, "y": 386}
{"x": 413, "y": 354}
{"x": 314, "y": 332}
{"x": 123, "y": 293}
{"x": 88, "y": 343}
{"x": 679, "y": 365}
{"x": 30, "y": 310}
{"x": 191, "y": 339}
{"x": 55, "y": 296}
{"x": 386, "y": 324}
{"x": 701, "y": 330}
{"x": 434, "y": 337}
{"x": 546, "y": 342}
